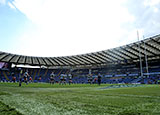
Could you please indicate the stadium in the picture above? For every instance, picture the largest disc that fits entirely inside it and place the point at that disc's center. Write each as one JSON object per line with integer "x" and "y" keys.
{"x": 117, "y": 65}
{"x": 79, "y": 57}
{"x": 124, "y": 87}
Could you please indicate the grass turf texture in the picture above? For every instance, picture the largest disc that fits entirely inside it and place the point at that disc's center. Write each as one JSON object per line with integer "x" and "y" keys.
{"x": 76, "y": 99}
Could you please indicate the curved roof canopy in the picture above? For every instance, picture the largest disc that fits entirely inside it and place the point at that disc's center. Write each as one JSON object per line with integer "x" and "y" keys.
{"x": 123, "y": 54}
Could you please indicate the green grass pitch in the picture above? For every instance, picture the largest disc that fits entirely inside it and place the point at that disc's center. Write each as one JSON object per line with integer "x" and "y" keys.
{"x": 78, "y": 99}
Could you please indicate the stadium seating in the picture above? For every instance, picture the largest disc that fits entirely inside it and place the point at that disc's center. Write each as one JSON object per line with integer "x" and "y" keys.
{"x": 122, "y": 74}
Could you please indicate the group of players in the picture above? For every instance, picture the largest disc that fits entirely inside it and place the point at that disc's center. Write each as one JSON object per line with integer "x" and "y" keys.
{"x": 25, "y": 77}
{"x": 63, "y": 79}
{"x": 95, "y": 80}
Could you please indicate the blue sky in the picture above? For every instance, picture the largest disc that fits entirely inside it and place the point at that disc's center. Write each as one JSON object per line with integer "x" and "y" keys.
{"x": 70, "y": 27}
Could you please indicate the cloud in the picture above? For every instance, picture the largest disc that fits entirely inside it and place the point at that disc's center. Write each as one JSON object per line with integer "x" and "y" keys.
{"x": 6, "y": 2}
{"x": 11, "y": 5}
{"x": 151, "y": 2}
{"x": 2, "y": 2}
{"x": 73, "y": 27}
{"x": 147, "y": 15}
{"x": 81, "y": 26}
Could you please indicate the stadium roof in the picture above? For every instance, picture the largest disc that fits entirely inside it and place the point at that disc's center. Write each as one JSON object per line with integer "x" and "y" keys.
{"x": 123, "y": 54}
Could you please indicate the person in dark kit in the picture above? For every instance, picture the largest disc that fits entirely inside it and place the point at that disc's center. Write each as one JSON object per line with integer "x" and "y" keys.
{"x": 20, "y": 76}
{"x": 13, "y": 77}
{"x": 30, "y": 79}
{"x": 61, "y": 80}
{"x": 70, "y": 80}
{"x": 52, "y": 78}
{"x": 99, "y": 79}
{"x": 95, "y": 80}
{"x": 90, "y": 78}
{"x": 26, "y": 75}
{"x": 64, "y": 80}
{"x": 40, "y": 78}
{"x": 20, "y": 81}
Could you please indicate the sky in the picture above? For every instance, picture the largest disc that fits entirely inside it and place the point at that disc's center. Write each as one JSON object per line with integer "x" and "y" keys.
{"x": 51, "y": 28}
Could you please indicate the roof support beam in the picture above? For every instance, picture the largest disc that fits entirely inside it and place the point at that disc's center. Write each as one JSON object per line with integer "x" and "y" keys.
{"x": 135, "y": 50}
{"x": 18, "y": 59}
{"x": 86, "y": 59}
{"x": 5, "y": 56}
{"x": 32, "y": 60}
{"x": 54, "y": 62}
{"x": 38, "y": 60}
{"x": 75, "y": 62}
{"x": 67, "y": 61}
{"x": 123, "y": 53}
{"x": 50, "y": 61}
{"x": 144, "y": 49}
{"x": 62, "y": 62}
{"x": 11, "y": 58}
{"x": 44, "y": 61}
{"x": 101, "y": 57}
{"x": 106, "y": 56}
{"x": 154, "y": 48}
{"x": 120, "y": 57}
{"x": 156, "y": 42}
{"x": 93, "y": 59}
{"x": 83, "y": 60}
{"x": 25, "y": 59}
{"x": 57, "y": 61}
{"x": 131, "y": 53}
{"x": 109, "y": 55}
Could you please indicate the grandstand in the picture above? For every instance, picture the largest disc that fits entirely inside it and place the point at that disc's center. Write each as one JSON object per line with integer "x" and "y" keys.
{"x": 126, "y": 54}
{"x": 124, "y": 91}
{"x": 117, "y": 65}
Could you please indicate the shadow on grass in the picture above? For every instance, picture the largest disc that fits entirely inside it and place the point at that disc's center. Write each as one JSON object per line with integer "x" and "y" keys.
{"x": 6, "y": 110}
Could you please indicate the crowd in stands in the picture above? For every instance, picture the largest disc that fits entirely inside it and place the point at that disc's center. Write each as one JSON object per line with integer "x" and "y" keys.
{"x": 62, "y": 76}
